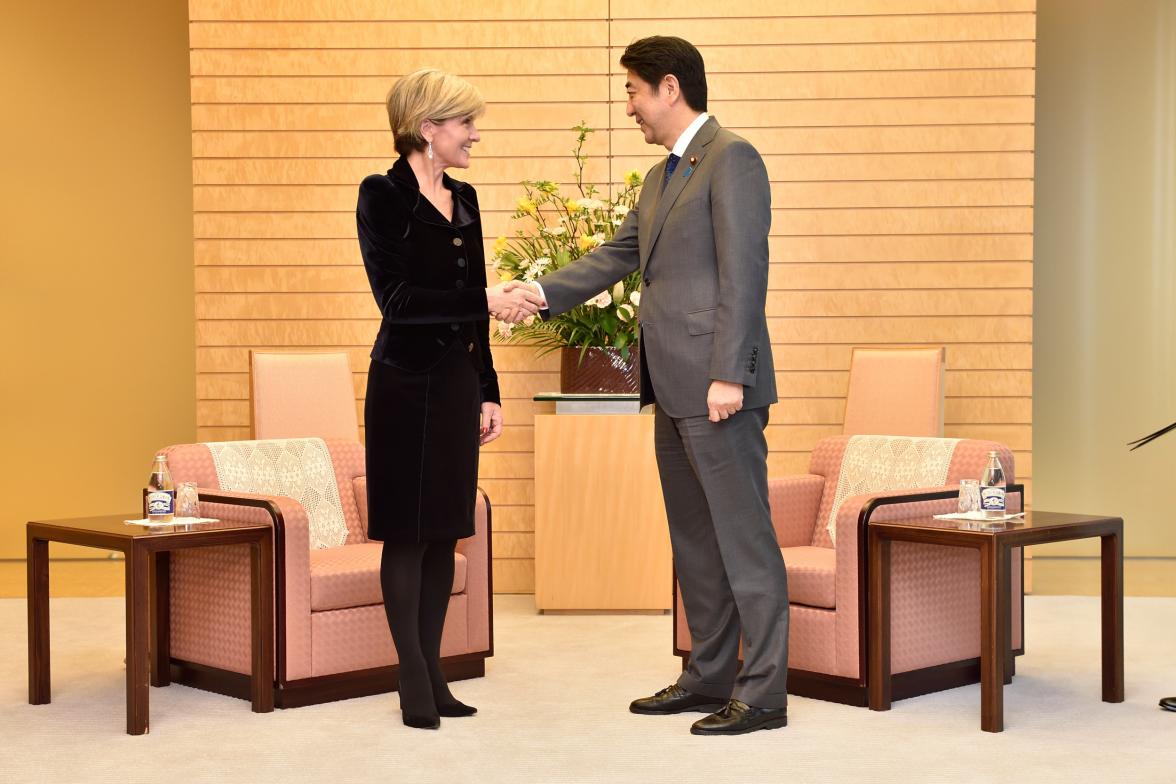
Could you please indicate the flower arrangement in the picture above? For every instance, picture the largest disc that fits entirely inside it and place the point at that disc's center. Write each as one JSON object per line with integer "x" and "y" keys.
{"x": 553, "y": 231}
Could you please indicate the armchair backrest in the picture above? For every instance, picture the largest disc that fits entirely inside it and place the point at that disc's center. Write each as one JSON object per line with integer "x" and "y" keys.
{"x": 299, "y": 395}
{"x": 895, "y": 391}
{"x": 195, "y": 463}
{"x": 968, "y": 461}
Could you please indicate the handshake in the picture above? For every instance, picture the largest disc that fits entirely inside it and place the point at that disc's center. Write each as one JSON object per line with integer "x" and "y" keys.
{"x": 514, "y": 301}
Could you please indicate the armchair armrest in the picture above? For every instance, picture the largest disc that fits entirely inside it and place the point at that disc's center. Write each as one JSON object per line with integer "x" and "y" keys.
{"x": 292, "y": 646}
{"x": 795, "y": 501}
{"x": 480, "y": 577}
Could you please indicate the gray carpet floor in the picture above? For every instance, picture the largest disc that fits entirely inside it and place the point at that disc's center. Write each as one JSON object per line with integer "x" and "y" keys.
{"x": 553, "y": 709}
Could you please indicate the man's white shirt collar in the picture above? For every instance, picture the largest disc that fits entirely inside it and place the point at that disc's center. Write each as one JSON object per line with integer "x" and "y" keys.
{"x": 688, "y": 134}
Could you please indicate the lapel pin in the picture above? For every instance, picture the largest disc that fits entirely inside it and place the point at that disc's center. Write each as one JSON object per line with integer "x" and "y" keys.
{"x": 692, "y": 160}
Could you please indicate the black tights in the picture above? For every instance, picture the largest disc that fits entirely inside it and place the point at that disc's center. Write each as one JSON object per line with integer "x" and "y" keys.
{"x": 416, "y": 580}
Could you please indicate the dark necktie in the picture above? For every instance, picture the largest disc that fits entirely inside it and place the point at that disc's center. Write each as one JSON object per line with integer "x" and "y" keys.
{"x": 671, "y": 164}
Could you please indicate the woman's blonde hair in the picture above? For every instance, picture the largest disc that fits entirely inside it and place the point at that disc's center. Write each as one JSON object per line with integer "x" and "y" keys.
{"x": 428, "y": 94}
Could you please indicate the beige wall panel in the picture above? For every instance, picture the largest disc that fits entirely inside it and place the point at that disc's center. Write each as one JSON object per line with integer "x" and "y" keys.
{"x": 988, "y": 410}
{"x": 808, "y": 411}
{"x": 511, "y": 492}
{"x": 831, "y": 84}
{"x": 971, "y": 220}
{"x": 863, "y": 57}
{"x": 372, "y": 116}
{"x": 393, "y": 35}
{"x": 1017, "y": 437}
{"x": 273, "y": 279}
{"x": 365, "y": 144}
{"x": 683, "y": 9}
{"x": 369, "y": 10}
{"x": 286, "y": 333}
{"x": 911, "y": 302}
{"x": 216, "y": 433}
{"x": 351, "y": 171}
{"x": 900, "y": 248}
{"x": 904, "y": 166}
{"x": 506, "y": 466}
{"x": 864, "y": 331}
{"x": 798, "y": 438}
{"x": 513, "y": 544}
{"x": 810, "y": 141}
{"x": 392, "y": 63}
{"x": 352, "y": 89}
{"x": 328, "y": 198}
{"x": 736, "y": 31}
{"x": 514, "y": 575}
{"x": 993, "y": 383}
{"x": 240, "y": 254}
{"x": 994, "y": 275}
{"x": 514, "y": 518}
{"x": 918, "y": 193}
{"x": 851, "y": 111}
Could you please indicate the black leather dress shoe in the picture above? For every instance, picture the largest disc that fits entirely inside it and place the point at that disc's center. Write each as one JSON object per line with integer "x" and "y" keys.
{"x": 737, "y": 717}
{"x": 421, "y": 722}
{"x": 675, "y": 699}
{"x": 1168, "y": 703}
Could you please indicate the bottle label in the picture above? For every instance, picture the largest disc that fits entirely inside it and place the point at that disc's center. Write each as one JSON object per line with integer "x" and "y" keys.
{"x": 992, "y": 499}
{"x": 161, "y": 502}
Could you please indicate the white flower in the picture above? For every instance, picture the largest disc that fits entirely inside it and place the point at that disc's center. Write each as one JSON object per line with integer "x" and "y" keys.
{"x": 555, "y": 231}
{"x": 618, "y": 293}
{"x": 588, "y": 204}
{"x": 601, "y": 300}
{"x": 618, "y": 222}
{"x": 625, "y": 312}
{"x": 621, "y": 209}
{"x": 505, "y": 329}
{"x": 529, "y": 320}
{"x": 635, "y": 298}
{"x": 542, "y": 263}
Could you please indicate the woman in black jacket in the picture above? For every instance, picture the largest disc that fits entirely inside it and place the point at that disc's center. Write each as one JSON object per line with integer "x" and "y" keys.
{"x": 432, "y": 393}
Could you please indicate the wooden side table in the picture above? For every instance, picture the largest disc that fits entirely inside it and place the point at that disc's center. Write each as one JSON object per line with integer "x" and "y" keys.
{"x": 995, "y": 544}
{"x": 148, "y": 600}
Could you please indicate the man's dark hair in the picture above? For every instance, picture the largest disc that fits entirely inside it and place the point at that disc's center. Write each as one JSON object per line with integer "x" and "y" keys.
{"x": 654, "y": 57}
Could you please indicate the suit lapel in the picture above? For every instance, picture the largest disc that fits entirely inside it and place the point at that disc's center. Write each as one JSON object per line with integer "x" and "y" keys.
{"x": 678, "y": 181}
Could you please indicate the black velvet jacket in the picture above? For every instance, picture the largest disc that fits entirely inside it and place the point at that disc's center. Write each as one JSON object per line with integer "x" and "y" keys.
{"x": 428, "y": 275}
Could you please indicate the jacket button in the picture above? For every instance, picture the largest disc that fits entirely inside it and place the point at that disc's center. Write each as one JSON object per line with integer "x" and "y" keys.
{"x": 461, "y": 262}
{"x": 470, "y": 348}
{"x": 647, "y": 282}
{"x": 459, "y": 284}
{"x": 457, "y": 241}
{"x": 455, "y": 327}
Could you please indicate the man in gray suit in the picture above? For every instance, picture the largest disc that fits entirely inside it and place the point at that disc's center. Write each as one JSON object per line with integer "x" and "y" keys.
{"x": 699, "y": 235}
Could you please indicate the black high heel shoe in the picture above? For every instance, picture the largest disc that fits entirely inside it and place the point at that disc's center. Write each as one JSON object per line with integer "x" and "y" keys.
{"x": 456, "y": 709}
{"x": 422, "y": 722}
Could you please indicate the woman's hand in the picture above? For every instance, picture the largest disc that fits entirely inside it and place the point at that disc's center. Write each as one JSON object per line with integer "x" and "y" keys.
{"x": 491, "y": 423}
{"x": 512, "y": 302}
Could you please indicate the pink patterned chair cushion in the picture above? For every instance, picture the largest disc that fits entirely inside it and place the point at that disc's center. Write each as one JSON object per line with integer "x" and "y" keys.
{"x": 350, "y": 576}
{"x": 811, "y": 576}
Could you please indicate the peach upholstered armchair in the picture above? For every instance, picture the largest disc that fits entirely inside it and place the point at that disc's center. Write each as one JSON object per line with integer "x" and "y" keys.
{"x": 331, "y": 638}
{"x": 300, "y": 394}
{"x": 820, "y": 519}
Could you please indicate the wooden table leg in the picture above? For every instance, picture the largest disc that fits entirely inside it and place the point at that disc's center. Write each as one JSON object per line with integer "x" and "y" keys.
{"x": 878, "y": 607}
{"x": 138, "y": 639}
{"x": 38, "y": 606}
{"x": 261, "y": 570}
{"x": 994, "y": 625}
{"x": 161, "y": 618}
{"x": 1112, "y": 617}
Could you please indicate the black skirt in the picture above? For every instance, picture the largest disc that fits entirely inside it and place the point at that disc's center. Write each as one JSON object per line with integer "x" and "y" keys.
{"x": 422, "y": 450}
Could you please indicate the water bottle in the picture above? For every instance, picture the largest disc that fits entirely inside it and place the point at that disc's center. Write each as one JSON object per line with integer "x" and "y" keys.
{"x": 992, "y": 488}
{"x": 161, "y": 492}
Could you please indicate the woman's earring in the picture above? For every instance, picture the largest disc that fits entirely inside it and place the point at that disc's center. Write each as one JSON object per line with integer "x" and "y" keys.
{"x": 430, "y": 151}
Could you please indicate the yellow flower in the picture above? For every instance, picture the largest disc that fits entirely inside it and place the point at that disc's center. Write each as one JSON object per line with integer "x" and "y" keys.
{"x": 589, "y": 241}
{"x": 526, "y": 206}
{"x": 506, "y": 276}
{"x": 499, "y": 246}
{"x": 632, "y": 178}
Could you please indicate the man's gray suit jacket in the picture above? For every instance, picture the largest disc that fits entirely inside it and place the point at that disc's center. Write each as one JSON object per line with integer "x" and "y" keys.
{"x": 702, "y": 247}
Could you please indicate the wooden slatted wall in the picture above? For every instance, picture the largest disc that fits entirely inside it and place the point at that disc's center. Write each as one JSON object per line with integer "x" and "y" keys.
{"x": 898, "y": 135}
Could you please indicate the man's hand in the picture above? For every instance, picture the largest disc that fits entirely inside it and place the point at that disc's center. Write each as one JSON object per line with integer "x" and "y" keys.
{"x": 723, "y": 399}
{"x": 513, "y": 301}
{"x": 491, "y": 427}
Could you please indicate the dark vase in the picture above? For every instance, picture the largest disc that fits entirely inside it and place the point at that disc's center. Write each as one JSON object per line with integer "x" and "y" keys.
{"x": 603, "y": 370}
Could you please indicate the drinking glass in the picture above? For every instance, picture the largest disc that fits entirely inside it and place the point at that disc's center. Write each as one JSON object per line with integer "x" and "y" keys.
{"x": 187, "y": 500}
{"x": 969, "y": 495}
